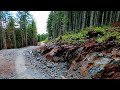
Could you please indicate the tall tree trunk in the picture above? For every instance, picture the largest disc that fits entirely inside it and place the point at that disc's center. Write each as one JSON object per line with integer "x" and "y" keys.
{"x": 110, "y": 17}
{"x": 86, "y": 20}
{"x": 73, "y": 21}
{"x": 4, "y": 39}
{"x": 118, "y": 16}
{"x": 70, "y": 21}
{"x": 77, "y": 21}
{"x": 14, "y": 38}
{"x": 91, "y": 19}
{"x": 26, "y": 36}
{"x": 59, "y": 26}
{"x": 8, "y": 39}
{"x": 95, "y": 18}
{"x": 3, "y": 31}
{"x": 21, "y": 37}
{"x": 106, "y": 18}
{"x": 80, "y": 16}
{"x": 65, "y": 29}
{"x": 102, "y": 18}
{"x": 54, "y": 26}
{"x": 83, "y": 20}
{"x": 114, "y": 16}
{"x": 1, "y": 42}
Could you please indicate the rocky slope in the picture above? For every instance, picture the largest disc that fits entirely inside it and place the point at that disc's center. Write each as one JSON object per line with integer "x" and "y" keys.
{"x": 93, "y": 59}
{"x": 89, "y": 60}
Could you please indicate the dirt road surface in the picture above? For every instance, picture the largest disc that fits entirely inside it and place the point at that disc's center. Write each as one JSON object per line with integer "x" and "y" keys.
{"x": 21, "y": 64}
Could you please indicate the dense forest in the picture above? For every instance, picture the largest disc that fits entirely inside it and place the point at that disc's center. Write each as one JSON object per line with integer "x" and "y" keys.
{"x": 42, "y": 37}
{"x": 77, "y": 45}
{"x": 62, "y": 22}
{"x": 20, "y": 31}
{"x": 17, "y": 31}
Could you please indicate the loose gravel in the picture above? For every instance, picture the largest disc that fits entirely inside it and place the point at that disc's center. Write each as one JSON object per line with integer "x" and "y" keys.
{"x": 24, "y": 64}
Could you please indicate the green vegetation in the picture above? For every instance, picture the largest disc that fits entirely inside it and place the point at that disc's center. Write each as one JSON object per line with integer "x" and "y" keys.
{"x": 82, "y": 36}
{"x": 46, "y": 40}
{"x": 75, "y": 37}
{"x": 42, "y": 37}
{"x": 19, "y": 31}
{"x": 65, "y": 26}
{"x": 65, "y": 22}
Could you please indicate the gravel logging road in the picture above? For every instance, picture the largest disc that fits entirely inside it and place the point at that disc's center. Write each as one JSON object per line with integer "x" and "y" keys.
{"x": 23, "y": 64}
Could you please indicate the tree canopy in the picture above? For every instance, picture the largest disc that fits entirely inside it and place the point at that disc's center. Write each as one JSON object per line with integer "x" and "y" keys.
{"x": 19, "y": 31}
{"x": 62, "y": 22}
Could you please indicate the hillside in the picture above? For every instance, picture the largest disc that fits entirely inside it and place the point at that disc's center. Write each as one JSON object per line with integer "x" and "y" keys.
{"x": 77, "y": 45}
{"x": 91, "y": 53}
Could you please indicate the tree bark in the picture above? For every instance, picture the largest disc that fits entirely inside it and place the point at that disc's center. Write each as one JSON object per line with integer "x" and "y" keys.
{"x": 83, "y": 20}
{"x": 4, "y": 39}
{"x": 106, "y": 17}
{"x": 14, "y": 37}
{"x": 102, "y": 18}
{"x": 110, "y": 17}
{"x": 118, "y": 16}
{"x": 91, "y": 19}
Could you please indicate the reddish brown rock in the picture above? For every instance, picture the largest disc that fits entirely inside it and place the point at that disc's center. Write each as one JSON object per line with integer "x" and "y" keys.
{"x": 53, "y": 51}
{"x": 116, "y": 24}
{"x": 48, "y": 57}
{"x": 116, "y": 76}
{"x": 89, "y": 60}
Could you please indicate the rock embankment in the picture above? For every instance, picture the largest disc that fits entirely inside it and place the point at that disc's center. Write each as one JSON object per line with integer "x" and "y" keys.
{"x": 90, "y": 60}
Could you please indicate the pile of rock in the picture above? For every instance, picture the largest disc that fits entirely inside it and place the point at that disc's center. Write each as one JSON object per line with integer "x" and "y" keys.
{"x": 88, "y": 60}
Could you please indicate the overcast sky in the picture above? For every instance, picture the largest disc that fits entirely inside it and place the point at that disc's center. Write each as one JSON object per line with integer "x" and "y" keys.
{"x": 41, "y": 20}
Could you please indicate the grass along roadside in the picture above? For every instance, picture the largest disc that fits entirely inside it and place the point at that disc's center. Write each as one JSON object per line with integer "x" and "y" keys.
{"x": 100, "y": 34}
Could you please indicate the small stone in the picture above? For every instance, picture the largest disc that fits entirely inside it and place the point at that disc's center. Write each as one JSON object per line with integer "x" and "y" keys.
{"x": 38, "y": 59}
{"x": 43, "y": 67}
{"x": 65, "y": 73}
{"x": 56, "y": 75}
{"x": 100, "y": 54}
{"x": 49, "y": 65}
{"x": 30, "y": 52}
{"x": 116, "y": 59}
{"x": 55, "y": 64}
{"x": 52, "y": 75}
